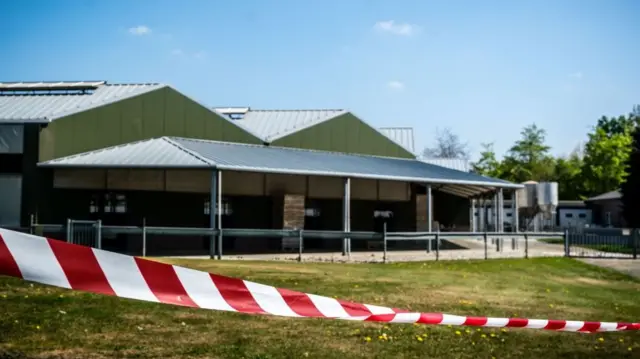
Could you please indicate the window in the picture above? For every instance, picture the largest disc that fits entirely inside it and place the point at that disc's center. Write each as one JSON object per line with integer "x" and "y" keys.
{"x": 582, "y": 215}
{"x": 382, "y": 214}
{"x": 509, "y": 214}
{"x": 311, "y": 212}
{"x": 226, "y": 208}
{"x": 114, "y": 203}
{"x": 568, "y": 215}
{"x": 94, "y": 207}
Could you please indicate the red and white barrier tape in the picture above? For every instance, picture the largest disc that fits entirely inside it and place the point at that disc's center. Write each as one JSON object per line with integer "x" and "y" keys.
{"x": 85, "y": 269}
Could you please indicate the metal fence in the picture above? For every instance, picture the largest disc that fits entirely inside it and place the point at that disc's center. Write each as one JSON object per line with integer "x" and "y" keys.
{"x": 313, "y": 245}
{"x": 307, "y": 245}
{"x": 602, "y": 243}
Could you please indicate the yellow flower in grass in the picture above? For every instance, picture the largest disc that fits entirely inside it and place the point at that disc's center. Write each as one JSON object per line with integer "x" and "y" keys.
{"x": 601, "y": 339}
{"x": 367, "y": 339}
{"x": 458, "y": 332}
{"x": 483, "y": 336}
{"x": 419, "y": 338}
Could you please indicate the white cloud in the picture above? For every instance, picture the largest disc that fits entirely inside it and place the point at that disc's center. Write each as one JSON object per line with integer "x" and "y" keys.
{"x": 390, "y": 26}
{"x": 396, "y": 85}
{"x": 576, "y": 75}
{"x": 140, "y": 30}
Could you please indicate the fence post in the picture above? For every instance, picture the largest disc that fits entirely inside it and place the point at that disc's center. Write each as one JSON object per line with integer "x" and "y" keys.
{"x": 526, "y": 246}
{"x": 486, "y": 248}
{"x": 99, "y": 234}
{"x": 566, "y": 243}
{"x": 144, "y": 237}
{"x": 212, "y": 244}
{"x": 300, "y": 240}
{"x": 438, "y": 244}
{"x": 220, "y": 235}
{"x": 513, "y": 244}
{"x": 384, "y": 242}
{"x": 69, "y": 239}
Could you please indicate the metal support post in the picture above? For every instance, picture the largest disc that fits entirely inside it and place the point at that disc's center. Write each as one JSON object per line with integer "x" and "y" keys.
{"x": 300, "y": 242}
{"x": 220, "y": 210}
{"x": 144, "y": 237}
{"x": 486, "y": 249}
{"x": 472, "y": 217}
{"x": 213, "y": 200}
{"x": 526, "y": 246}
{"x": 438, "y": 244}
{"x": 69, "y": 231}
{"x": 384, "y": 242}
{"x": 516, "y": 212}
{"x": 346, "y": 213}
{"x": 566, "y": 243}
{"x": 429, "y": 209}
{"x": 500, "y": 210}
{"x": 99, "y": 234}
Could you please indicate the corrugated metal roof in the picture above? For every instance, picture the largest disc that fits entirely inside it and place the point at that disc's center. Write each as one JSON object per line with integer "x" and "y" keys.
{"x": 401, "y": 135}
{"x": 452, "y": 163}
{"x": 256, "y": 158}
{"x": 47, "y": 106}
{"x": 271, "y": 125}
{"x": 606, "y": 196}
{"x": 156, "y": 153}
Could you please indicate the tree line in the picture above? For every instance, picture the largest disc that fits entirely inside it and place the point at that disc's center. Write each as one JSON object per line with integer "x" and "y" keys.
{"x": 601, "y": 165}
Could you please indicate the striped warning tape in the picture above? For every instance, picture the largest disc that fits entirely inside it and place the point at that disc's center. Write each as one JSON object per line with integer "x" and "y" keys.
{"x": 82, "y": 268}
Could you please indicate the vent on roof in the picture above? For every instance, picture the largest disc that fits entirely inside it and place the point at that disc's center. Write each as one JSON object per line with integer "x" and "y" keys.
{"x": 234, "y": 113}
{"x": 49, "y": 88}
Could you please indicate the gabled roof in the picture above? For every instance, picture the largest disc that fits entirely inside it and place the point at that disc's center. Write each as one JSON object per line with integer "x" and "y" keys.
{"x": 173, "y": 152}
{"x": 606, "y": 196}
{"x": 400, "y": 135}
{"x": 47, "y": 101}
{"x": 271, "y": 125}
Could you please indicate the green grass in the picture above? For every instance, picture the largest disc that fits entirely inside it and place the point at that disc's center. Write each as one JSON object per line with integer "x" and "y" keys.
{"x": 40, "y": 321}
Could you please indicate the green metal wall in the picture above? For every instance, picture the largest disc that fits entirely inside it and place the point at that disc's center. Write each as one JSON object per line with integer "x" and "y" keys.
{"x": 347, "y": 134}
{"x": 163, "y": 112}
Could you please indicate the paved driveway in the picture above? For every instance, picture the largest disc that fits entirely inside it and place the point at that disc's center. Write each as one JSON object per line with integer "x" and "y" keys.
{"x": 627, "y": 266}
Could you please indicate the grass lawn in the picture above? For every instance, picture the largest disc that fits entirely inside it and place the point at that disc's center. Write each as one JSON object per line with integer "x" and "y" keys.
{"x": 40, "y": 321}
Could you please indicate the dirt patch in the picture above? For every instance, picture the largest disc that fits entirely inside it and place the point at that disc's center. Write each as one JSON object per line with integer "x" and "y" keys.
{"x": 582, "y": 280}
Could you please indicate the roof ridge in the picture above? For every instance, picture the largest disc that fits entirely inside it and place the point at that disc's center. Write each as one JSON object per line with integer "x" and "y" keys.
{"x": 288, "y": 148}
{"x": 294, "y": 110}
{"x": 187, "y": 151}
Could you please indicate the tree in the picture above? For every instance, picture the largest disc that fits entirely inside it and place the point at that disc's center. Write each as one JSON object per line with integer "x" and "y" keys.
{"x": 568, "y": 174}
{"x": 488, "y": 165}
{"x": 529, "y": 157}
{"x": 630, "y": 188}
{"x": 605, "y": 159}
{"x": 616, "y": 125}
{"x": 448, "y": 145}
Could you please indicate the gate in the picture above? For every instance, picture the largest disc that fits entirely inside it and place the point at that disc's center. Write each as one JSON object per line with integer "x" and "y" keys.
{"x": 85, "y": 233}
{"x": 602, "y": 243}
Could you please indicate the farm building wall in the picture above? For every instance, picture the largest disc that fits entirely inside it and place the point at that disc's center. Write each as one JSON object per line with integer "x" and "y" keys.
{"x": 163, "y": 112}
{"x": 180, "y": 198}
{"x": 347, "y": 134}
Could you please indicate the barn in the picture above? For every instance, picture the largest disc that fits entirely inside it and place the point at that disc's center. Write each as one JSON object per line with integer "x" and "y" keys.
{"x": 132, "y": 153}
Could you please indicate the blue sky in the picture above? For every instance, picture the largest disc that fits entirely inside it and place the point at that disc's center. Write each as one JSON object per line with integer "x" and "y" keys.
{"x": 485, "y": 69}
